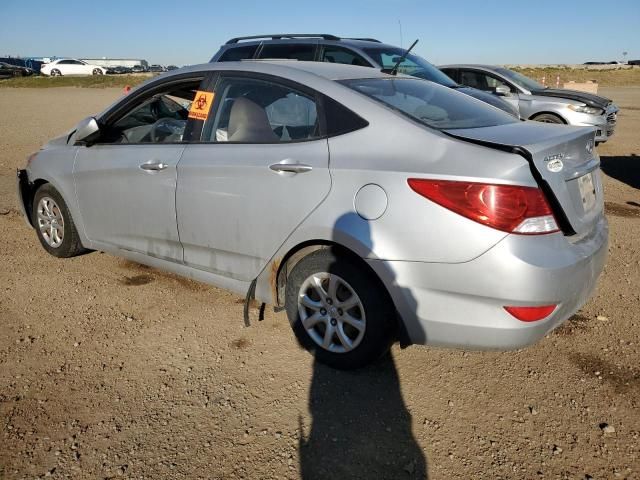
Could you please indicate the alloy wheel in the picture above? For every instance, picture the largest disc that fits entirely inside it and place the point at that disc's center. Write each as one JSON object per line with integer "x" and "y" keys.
{"x": 331, "y": 312}
{"x": 50, "y": 222}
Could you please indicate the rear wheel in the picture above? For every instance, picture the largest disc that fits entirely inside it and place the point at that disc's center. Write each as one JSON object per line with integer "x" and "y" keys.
{"x": 97, "y": 71}
{"x": 548, "y": 118}
{"x": 339, "y": 311}
{"x": 56, "y": 73}
{"x": 55, "y": 228}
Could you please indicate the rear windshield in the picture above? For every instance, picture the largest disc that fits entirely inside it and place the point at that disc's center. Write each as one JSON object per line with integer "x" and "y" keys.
{"x": 434, "y": 105}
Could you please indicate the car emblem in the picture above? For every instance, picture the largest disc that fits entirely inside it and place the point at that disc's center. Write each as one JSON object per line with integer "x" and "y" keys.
{"x": 589, "y": 147}
{"x": 554, "y": 162}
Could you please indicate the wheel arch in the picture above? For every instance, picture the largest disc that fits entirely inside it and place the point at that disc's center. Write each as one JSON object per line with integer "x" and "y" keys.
{"x": 27, "y": 192}
{"x": 280, "y": 267}
{"x": 555, "y": 114}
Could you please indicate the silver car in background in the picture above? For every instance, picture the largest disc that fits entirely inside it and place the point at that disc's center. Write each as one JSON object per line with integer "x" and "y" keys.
{"x": 371, "y": 207}
{"x": 535, "y": 101}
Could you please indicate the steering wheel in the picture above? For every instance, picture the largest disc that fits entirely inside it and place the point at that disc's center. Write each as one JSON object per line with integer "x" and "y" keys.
{"x": 165, "y": 128}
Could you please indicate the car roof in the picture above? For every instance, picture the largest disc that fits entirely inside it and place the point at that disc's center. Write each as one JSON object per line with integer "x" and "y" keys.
{"x": 330, "y": 71}
{"x": 309, "y": 39}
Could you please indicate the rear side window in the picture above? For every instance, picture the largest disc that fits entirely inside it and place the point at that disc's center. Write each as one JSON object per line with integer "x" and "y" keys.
{"x": 340, "y": 119}
{"x": 333, "y": 54}
{"x": 303, "y": 52}
{"x": 238, "y": 53}
{"x": 452, "y": 73}
{"x": 260, "y": 111}
{"x": 429, "y": 103}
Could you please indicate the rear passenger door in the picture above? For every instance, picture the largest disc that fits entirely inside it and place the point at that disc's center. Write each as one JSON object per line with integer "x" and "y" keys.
{"x": 260, "y": 169}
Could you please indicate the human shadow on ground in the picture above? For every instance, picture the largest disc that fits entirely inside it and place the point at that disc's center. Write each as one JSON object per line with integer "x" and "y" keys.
{"x": 625, "y": 169}
{"x": 361, "y": 427}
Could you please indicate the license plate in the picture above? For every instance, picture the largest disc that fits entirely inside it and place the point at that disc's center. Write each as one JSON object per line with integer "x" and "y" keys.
{"x": 587, "y": 191}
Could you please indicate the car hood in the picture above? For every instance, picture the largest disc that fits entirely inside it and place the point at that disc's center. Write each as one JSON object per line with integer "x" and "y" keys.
{"x": 559, "y": 156}
{"x": 588, "y": 98}
{"x": 489, "y": 98}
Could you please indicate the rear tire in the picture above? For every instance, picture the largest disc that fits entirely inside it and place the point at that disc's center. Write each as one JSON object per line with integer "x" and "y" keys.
{"x": 53, "y": 223}
{"x": 338, "y": 310}
{"x": 548, "y": 118}
{"x": 97, "y": 71}
{"x": 56, "y": 73}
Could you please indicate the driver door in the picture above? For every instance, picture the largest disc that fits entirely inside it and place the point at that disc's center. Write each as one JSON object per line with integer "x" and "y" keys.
{"x": 126, "y": 181}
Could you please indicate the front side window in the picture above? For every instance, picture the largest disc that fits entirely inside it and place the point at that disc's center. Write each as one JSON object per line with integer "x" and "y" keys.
{"x": 158, "y": 118}
{"x": 413, "y": 65}
{"x": 333, "y": 54}
{"x": 303, "y": 52}
{"x": 521, "y": 80}
{"x": 430, "y": 104}
{"x": 481, "y": 80}
{"x": 259, "y": 111}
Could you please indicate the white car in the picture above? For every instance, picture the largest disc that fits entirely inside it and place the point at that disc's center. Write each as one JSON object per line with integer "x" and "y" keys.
{"x": 70, "y": 66}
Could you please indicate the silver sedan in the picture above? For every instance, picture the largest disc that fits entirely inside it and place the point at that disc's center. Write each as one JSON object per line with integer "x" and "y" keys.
{"x": 534, "y": 101}
{"x": 371, "y": 207}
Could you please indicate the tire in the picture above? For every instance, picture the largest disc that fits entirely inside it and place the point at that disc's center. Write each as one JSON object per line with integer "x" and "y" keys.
{"x": 548, "y": 118}
{"x": 53, "y": 223}
{"x": 97, "y": 71}
{"x": 56, "y": 73}
{"x": 373, "y": 312}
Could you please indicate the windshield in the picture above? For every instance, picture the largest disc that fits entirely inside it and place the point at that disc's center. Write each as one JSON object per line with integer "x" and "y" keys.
{"x": 520, "y": 80}
{"x": 430, "y": 104}
{"x": 413, "y": 65}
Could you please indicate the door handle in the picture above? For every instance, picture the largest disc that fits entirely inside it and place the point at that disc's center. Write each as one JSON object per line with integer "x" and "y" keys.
{"x": 153, "y": 167}
{"x": 290, "y": 167}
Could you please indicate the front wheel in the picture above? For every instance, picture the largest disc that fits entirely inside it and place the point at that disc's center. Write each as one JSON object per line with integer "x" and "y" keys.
{"x": 339, "y": 311}
{"x": 55, "y": 228}
{"x": 548, "y": 118}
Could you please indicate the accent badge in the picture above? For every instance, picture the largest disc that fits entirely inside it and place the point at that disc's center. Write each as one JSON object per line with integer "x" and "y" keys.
{"x": 554, "y": 162}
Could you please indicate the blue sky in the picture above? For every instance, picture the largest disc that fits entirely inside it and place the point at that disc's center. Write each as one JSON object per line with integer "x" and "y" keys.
{"x": 190, "y": 31}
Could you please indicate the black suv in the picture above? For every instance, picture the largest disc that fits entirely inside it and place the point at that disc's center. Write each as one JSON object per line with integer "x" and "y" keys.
{"x": 365, "y": 52}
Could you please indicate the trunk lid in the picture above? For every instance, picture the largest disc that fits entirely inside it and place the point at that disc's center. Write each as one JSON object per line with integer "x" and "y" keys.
{"x": 564, "y": 162}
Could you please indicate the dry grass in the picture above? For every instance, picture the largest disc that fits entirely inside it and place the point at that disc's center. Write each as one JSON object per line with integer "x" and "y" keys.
{"x": 605, "y": 78}
{"x": 93, "y": 81}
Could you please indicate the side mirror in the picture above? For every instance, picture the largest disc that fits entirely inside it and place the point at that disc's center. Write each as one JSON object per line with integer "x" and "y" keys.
{"x": 87, "y": 130}
{"x": 503, "y": 90}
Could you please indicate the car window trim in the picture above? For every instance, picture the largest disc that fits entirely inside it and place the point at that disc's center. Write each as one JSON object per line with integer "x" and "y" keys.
{"x": 193, "y": 128}
{"x": 221, "y": 74}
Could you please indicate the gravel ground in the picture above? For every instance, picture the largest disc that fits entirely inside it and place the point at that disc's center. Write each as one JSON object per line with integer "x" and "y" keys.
{"x": 111, "y": 369}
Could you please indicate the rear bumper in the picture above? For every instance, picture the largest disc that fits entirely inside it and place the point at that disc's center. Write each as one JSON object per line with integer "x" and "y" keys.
{"x": 461, "y": 305}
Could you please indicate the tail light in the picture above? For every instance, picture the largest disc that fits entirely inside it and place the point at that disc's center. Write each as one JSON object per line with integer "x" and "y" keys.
{"x": 531, "y": 314}
{"x": 509, "y": 208}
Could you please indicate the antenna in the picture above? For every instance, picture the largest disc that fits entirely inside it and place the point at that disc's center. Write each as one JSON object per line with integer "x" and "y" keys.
{"x": 394, "y": 70}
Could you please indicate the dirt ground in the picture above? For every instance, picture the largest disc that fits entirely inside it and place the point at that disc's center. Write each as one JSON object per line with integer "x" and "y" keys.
{"x": 110, "y": 369}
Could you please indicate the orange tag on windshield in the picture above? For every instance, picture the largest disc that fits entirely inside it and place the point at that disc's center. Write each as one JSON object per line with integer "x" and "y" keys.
{"x": 201, "y": 105}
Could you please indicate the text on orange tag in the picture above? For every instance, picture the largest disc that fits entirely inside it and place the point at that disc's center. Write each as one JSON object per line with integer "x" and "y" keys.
{"x": 201, "y": 105}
